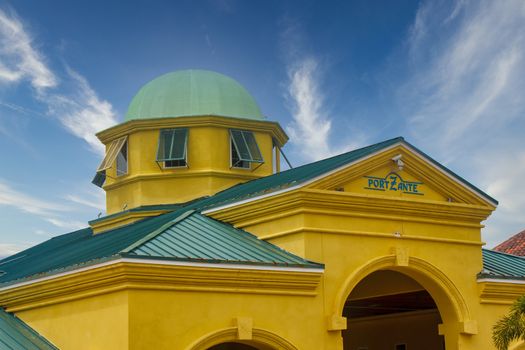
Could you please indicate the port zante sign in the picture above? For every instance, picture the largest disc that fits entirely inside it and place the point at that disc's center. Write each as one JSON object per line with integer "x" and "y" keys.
{"x": 393, "y": 182}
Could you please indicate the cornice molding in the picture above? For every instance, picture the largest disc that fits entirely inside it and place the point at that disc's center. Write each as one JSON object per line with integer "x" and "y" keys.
{"x": 121, "y": 275}
{"x": 187, "y": 173}
{"x": 500, "y": 291}
{"x": 371, "y": 234}
{"x": 304, "y": 200}
{"x": 132, "y": 126}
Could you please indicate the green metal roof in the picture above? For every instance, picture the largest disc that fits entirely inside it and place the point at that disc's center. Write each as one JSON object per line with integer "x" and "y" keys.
{"x": 195, "y": 237}
{"x": 141, "y": 209}
{"x": 501, "y": 265}
{"x": 193, "y": 93}
{"x": 79, "y": 248}
{"x": 16, "y": 335}
{"x": 82, "y": 248}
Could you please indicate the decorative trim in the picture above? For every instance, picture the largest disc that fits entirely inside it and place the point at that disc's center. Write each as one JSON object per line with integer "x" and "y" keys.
{"x": 263, "y": 339}
{"x": 244, "y": 328}
{"x": 500, "y": 291}
{"x": 352, "y": 205}
{"x": 132, "y": 126}
{"x": 451, "y": 303}
{"x": 188, "y": 173}
{"x": 402, "y": 255}
{"x": 370, "y": 234}
{"x": 126, "y": 274}
{"x": 500, "y": 280}
{"x": 337, "y": 323}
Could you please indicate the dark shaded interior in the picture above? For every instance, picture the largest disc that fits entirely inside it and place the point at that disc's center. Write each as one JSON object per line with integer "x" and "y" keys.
{"x": 232, "y": 346}
{"x": 389, "y": 304}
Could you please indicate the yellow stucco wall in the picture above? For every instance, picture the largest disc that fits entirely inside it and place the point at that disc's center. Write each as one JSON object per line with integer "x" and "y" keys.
{"x": 91, "y": 323}
{"x": 156, "y": 314}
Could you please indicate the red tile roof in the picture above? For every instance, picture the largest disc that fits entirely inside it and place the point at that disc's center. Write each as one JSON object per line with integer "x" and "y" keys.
{"x": 514, "y": 245}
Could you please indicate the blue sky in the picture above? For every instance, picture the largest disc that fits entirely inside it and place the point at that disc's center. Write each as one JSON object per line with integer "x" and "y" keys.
{"x": 446, "y": 75}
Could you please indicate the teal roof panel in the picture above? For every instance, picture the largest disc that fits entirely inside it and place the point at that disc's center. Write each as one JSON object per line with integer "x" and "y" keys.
{"x": 16, "y": 335}
{"x": 195, "y": 237}
{"x": 83, "y": 248}
{"x": 501, "y": 265}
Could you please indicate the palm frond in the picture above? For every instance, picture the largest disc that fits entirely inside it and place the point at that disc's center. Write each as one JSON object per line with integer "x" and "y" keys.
{"x": 511, "y": 327}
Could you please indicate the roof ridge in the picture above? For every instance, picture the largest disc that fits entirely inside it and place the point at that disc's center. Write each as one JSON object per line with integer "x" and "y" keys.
{"x": 158, "y": 231}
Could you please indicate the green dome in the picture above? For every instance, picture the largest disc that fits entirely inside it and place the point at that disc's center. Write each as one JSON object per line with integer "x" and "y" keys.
{"x": 191, "y": 93}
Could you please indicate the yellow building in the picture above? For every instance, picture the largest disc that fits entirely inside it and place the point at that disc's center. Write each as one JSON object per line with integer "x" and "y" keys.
{"x": 208, "y": 245}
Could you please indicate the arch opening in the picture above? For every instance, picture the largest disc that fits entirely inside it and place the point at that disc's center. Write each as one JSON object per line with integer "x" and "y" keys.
{"x": 233, "y": 346}
{"x": 227, "y": 339}
{"x": 391, "y": 310}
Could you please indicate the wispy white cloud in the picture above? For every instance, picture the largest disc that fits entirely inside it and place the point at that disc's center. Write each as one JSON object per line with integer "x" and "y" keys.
{"x": 471, "y": 79}
{"x": 18, "y": 58}
{"x": 76, "y": 105}
{"x": 49, "y": 211}
{"x": 66, "y": 224}
{"x": 310, "y": 130}
{"x": 81, "y": 111}
{"x": 464, "y": 97}
{"x": 42, "y": 233}
{"x": 503, "y": 174}
{"x": 95, "y": 199}
{"x": 71, "y": 101}
{"x": 21, "y": 201}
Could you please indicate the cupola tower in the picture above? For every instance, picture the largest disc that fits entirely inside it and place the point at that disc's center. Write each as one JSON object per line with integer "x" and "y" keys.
{"x": 186, "y": 134}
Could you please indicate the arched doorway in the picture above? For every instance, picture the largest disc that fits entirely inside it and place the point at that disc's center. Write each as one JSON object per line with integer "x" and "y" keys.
{"x": 390, "y": 310}
{"x": 226, "y": 339}
{"x": 232, "y": 346}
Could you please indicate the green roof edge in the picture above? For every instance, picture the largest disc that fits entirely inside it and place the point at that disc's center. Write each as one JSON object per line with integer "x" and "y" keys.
{"x": 307, "y": 265}
{"x": 168, "y": 207}
{"x": 512, "y": 275}
{"x": 451, "y": 173}
{"x": 26, "y": 331}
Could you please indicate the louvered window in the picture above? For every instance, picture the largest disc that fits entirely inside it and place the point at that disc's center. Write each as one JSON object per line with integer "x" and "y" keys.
{"x": 117, "y": 152}
{"x": 244, "y": 149}
{"x": 172, "y": 150}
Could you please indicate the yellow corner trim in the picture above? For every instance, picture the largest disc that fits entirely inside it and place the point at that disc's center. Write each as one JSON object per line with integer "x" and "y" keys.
{"x": 337, "y": 323}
